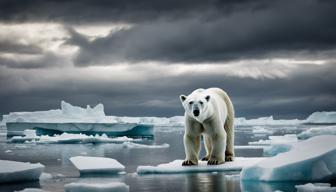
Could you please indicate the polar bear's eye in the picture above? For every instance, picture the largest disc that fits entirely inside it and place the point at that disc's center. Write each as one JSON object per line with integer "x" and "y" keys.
{"x": 201, "y": 102}
{"x": 191, "y": 102}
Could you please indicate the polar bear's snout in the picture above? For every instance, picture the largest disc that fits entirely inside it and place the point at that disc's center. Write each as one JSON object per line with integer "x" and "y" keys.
{"x": 196, "y": 112}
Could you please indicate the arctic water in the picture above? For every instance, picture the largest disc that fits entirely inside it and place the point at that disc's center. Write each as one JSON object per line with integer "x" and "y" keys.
{"x": 55, "y": 157}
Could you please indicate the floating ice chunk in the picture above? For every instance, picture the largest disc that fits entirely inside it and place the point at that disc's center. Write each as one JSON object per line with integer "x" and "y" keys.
{"x": 315, "y": 187}
{"x": 45, "y": 176}
{"x": 327, "y": 130}
{"x": 32, "y": 190}
{"x": 285, "y": 139}
{"x": 309, "y": 160}
{"x": 13, "y": 171}
{"x": 322, "y": 118}
{"x": 95, "y": 165}
{"x": 96, "y": 187}
{"x": 176, "y": 166}
{"x": 137, "y": 145}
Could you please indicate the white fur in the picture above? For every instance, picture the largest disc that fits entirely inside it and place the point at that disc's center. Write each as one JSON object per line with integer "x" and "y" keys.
{"x": 214, "y": 122}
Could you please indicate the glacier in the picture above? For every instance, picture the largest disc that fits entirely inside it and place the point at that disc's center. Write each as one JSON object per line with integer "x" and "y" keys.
{"x": 14, "y": 171}
{"x": 322, "y": 117}
{"x": 309, "y": 160}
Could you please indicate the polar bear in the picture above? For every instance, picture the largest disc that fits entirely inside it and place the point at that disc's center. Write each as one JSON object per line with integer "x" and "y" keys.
{"x": 208, "y": 112}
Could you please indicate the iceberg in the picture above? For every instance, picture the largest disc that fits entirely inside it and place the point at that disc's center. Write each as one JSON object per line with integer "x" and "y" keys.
{"x": 315, "y": 131}
{"x": 322, "y": 118}
{"x": 96, "y": 187}
{"x": 308, "y": 160}
{"x": 176, "y": 166}
{"x": 315, "y": 187}
{"x": 97, "y": 165}
{"x": 14, "y": 171}
{"x": 73, "y": 119}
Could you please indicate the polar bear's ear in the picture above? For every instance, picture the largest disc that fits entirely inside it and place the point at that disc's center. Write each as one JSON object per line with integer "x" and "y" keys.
{"x": 207, "y": 98}
{"x": 183, "y": 98}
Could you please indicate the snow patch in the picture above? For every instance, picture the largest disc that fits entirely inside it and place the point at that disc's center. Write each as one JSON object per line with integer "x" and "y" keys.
{"x": 95, "y": 165}
{"x": 283, "y": 139}
{"x": 308, "y": 160}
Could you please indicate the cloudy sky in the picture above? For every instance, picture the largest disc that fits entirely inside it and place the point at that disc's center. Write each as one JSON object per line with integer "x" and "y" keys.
{"x": 273, "y": 57}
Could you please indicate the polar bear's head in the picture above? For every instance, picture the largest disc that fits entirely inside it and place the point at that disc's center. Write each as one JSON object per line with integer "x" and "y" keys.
{"x": 196, "y": 105}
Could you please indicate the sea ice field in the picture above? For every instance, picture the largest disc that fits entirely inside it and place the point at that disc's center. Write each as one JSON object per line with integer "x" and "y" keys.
{"x": 139, "y": 161}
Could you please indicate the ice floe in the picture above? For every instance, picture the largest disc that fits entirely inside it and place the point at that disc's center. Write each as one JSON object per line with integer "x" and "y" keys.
{"x": 315, "y": 187}
{"x": 96, "y": 187}
{"x": 314, "y": 131}
{"x": 309, "y": 160}
{"x": 96, "y": 165}
{"x": 176, "y": 166}
{"x": 14, "y": 171}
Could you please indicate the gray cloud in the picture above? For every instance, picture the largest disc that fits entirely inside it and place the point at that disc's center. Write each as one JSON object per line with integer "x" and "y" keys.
{"x": 276, "y": 31}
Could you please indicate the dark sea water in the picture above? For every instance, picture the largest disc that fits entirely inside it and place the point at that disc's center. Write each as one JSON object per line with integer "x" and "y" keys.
{"x": 56, "y": 159}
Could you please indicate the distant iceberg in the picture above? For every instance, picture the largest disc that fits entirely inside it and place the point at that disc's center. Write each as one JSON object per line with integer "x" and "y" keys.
{"x": 308, "y": 160}
{"x": 322, "y": 118}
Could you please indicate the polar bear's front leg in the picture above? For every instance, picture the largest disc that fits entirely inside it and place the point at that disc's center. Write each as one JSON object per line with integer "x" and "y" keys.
{"x": 191, "y": 148}
{"x": 218, "y": 148}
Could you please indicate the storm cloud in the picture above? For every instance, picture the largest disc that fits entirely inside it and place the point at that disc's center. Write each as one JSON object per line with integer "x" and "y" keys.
{"x": 137, "y": 57}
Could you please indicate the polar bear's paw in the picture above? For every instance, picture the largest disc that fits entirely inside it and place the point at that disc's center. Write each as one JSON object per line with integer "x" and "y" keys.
{"x": 214, "y": 162}
{"x": 229, "y": 158}
{"x": 188, "y": 163}
{"x": 206, "y": 158}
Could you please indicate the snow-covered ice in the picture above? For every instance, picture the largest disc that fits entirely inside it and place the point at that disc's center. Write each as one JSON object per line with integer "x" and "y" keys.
{"x": 283, "y": 139}
{"x": 12, "y": 171}
{"x": 315, "y": 187}
{"x": 322, "y": 117}
{"x": 139, "y": 146}
{"x": 309, "y": 160}
{"x": 96, "y": 187}
{"x": 314, "y": 131}
{"x": 95, "y": 165}
{"x": 176, "y": 166}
